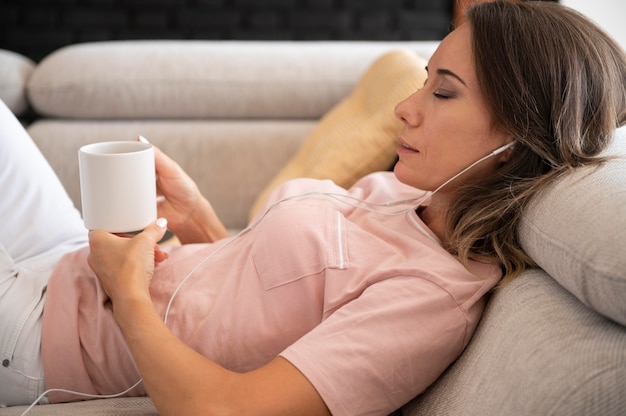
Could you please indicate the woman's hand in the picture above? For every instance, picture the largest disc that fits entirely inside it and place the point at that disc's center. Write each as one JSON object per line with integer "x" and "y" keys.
{"x": 124, "y": 266}
{"x": 190, "y": 216}
{"x": 177, "y": 192}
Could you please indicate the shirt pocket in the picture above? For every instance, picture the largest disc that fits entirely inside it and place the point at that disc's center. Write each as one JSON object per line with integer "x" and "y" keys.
{"x": 296, "y": 241}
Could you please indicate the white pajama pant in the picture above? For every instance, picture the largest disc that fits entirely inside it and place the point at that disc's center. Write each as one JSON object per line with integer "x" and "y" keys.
{"x": 39, "y": 224}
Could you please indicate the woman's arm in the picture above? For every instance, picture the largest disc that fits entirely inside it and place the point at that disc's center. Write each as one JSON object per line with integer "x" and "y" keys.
{"x": 178, "y": 379}
{"x": 181, "y": 381}
{"x": 191, "y": 217}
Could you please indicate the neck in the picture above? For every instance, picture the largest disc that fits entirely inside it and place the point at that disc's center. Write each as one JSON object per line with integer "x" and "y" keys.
{"x": 433, "y": 216}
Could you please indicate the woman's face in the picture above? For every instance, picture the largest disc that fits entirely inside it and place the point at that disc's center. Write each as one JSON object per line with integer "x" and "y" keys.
{"x": 446, "y": 123}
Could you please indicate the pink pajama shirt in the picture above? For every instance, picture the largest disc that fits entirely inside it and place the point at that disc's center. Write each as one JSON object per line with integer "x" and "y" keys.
{"x": 369, "y": 307}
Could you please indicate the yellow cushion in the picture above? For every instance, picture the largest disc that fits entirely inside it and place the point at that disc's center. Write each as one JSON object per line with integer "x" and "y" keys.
{"x": 357, "y": 136}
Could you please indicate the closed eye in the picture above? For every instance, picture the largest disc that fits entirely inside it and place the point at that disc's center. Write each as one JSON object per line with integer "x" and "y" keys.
{"x": 443, "y": 96}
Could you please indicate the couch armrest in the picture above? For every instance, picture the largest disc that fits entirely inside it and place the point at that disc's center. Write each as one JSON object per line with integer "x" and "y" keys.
{"x": 537, "y": 351}
{"x": 15, "y": 71}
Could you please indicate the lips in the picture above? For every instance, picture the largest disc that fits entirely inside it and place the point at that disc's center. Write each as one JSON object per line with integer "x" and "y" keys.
{"x": 405, "y": 148}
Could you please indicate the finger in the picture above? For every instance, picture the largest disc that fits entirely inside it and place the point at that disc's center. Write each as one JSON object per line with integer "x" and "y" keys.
{"x": 125, "y": 235}
{"x": 159, "y": 255}
{"x": 97, "y": 235}
{"x": 160, "y": 157}
{"x": 156, "y": 230}
{"x": 164, "y": 165}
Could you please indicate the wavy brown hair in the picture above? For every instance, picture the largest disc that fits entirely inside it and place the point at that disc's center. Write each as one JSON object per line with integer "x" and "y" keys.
{"x": 554, "y": 82}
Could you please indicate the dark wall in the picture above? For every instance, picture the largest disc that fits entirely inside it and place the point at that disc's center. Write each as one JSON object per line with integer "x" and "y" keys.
{"x": 37, "y": 27}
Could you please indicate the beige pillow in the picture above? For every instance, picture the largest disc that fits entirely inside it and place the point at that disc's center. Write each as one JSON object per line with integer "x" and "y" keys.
{"x": 357, "y": 136}
{"x": 575, "y": 230}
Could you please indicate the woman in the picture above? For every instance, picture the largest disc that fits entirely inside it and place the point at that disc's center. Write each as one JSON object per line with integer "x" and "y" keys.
{"x": 327, "y": 304}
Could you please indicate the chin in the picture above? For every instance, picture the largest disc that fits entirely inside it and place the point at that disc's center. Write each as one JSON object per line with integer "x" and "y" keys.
{"x": 412, "y": 178}
{"x": 405, "y": 176}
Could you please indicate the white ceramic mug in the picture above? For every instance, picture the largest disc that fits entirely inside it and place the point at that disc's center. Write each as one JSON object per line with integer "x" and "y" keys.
{"x": 117, "y": 185}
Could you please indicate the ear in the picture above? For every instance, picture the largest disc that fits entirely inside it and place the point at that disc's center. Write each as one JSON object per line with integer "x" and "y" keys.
{"x": 505, "y": 152}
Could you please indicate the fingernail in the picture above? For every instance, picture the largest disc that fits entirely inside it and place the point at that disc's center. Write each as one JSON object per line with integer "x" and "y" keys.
{"x": 161, "y": 222}
{"x": 143, "y": 140}
{"x": 160, "y": 199}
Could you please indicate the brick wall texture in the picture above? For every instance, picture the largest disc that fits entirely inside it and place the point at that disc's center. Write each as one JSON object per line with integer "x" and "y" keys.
{"x": 37, "y": 27}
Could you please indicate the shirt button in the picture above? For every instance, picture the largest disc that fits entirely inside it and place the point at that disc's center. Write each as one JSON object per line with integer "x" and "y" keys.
{"x": 6, "y": 362}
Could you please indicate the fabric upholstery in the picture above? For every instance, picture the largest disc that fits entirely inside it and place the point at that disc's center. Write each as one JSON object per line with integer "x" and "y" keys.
{"x": 537, "y": 351}
{"x": 15, "y": 70}
{"x": 199, "y": 79}
{"x": 128, "y": 406}
{"x": 576, "y": 231}
{"x": 358, "y": 136}
{"x": 229, "y": 161}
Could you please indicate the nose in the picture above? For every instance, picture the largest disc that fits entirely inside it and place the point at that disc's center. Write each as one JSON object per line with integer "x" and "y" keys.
{"x": 407, "y": 110}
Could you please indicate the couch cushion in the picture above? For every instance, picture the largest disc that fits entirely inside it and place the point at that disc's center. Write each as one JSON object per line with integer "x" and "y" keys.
{"x": 537, "y": 351}
{"x": 209, "y": 150}
{"x": 201, "y": 79}
{"x": 15, "y": 70}
{"x": 576, "y": 231}
{"x": 357, "y": 136}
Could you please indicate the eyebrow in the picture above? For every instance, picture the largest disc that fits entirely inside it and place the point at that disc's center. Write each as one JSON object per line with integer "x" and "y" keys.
{"x": 447, "y": 72}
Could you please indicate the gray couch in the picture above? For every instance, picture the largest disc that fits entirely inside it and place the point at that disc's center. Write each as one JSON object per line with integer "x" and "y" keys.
{"x": 552, "y": 342}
